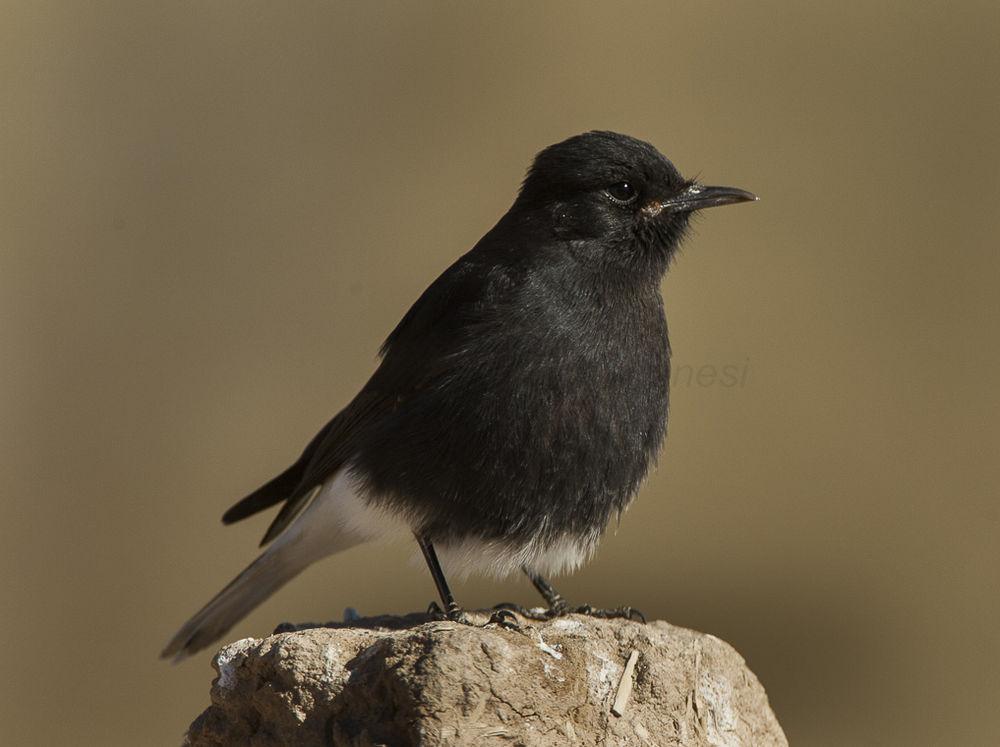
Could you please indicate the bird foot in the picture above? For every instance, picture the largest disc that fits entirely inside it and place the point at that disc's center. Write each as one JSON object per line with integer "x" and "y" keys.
{"x": 626, "y": 613}
{"x": 561, "y": 610}
{"x": 503, "y": 618}
{"x": 538, "y": 614}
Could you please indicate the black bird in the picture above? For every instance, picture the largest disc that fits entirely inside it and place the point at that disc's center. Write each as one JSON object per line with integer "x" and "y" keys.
{"x": 518, "y": 404}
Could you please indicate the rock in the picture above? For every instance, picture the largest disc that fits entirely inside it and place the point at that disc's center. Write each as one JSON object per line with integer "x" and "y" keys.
{"x": 408, "y": 681}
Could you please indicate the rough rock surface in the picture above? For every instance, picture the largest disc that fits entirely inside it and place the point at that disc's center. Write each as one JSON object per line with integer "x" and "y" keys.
{"x": 406, "y": 681}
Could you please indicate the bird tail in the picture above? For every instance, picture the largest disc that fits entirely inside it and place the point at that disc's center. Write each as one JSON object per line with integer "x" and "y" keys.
{"x": 322, "y": 528}
{"x": 268, "y": 573}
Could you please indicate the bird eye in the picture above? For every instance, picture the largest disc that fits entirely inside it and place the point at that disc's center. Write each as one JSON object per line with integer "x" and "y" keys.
{"x": 623, "y": 193}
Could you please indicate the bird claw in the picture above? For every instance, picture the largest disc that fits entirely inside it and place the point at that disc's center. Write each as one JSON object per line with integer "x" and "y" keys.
{"x": 626, "y": 613}
{"x": 455, "y": 614}
{"x": 501, "y": 617}
{"x": 435, "y": 612}
{"x": 505, "y": 614}
{"x": 505, "y": 619}
{"x": 524, "y": 612}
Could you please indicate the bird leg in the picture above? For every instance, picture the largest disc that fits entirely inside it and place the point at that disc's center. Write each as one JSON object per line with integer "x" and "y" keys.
{"x": 558, "y": 607}
{"x": 452, "y": 611}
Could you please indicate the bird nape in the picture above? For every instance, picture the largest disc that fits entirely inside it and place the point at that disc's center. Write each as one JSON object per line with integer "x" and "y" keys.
{"x": 519, "y": 403}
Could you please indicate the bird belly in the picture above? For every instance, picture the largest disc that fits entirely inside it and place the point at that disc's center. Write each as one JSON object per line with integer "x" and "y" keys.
{"x": 344, "y": 513}
{"x": 499, "y": 557}
{"x": 507, "y": 464}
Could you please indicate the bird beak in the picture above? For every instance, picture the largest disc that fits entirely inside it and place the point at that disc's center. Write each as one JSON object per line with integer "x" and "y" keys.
{"x": 697, "y": 197}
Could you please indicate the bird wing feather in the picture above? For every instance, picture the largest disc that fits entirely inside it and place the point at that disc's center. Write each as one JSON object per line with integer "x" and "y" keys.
{"x": 413, "y": 356}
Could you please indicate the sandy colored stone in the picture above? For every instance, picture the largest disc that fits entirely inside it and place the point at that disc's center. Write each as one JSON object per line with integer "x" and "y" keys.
{"x": 401, "y": 681}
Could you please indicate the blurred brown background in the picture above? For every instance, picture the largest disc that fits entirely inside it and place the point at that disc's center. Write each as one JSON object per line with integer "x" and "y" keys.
{"x": 212, "y": 214}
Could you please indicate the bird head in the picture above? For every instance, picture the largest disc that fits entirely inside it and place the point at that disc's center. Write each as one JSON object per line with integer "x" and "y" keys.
{"x": 616, "y": 199}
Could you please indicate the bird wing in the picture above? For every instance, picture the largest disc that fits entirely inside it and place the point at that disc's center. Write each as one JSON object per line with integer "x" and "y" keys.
{"x": 334, "y": 446}
{"x": 279, "y": 488}
{"x": 413, "y": 356}
{"x": 325, "y": 454}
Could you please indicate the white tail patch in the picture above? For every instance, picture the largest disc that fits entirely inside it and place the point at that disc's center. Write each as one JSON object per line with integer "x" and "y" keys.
{"x": 336, "y": 518}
